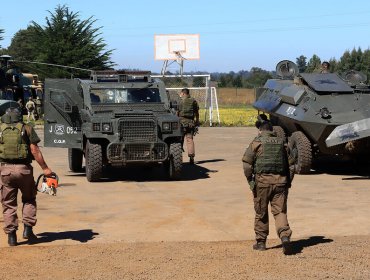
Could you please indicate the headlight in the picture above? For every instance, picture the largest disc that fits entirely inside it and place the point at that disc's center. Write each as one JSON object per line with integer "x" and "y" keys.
{"x": 106, "y": 127}
{"x": 325, "y": 113}
{"x": 166, "y": 126}
{"x": 96, "y": 126}
{"x": 175, "y": 125}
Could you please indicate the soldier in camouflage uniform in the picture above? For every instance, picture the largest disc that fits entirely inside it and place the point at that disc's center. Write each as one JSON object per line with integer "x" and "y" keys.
{"x": 266, "y": 166}
{"x": 189, "y": 119}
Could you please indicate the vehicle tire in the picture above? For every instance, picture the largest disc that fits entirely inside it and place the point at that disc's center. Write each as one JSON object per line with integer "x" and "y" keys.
{"x": 279, "y": 132}
{"x": 174, "y": 164}
{"x": 94, "y": 161}
{"x": 301, "y": 150}
{"x": 75, "y": 157}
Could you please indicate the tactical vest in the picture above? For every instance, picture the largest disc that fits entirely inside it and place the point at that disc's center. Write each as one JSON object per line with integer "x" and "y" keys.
{"x": 13, "y": 147}
{"x": 187, "y": 110}
{"x": 272, "y": 159}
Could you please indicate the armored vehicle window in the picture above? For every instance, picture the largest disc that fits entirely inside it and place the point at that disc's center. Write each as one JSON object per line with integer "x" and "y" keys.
{"x": 126, "y": 95}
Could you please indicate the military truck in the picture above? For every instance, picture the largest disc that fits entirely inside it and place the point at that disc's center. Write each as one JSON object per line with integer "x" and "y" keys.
{"x": 117, "y": 118}
{"x": 322, "y": 114}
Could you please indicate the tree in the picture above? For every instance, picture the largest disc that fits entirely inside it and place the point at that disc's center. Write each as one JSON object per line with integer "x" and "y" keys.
{"x": 257, "y": 78}
{"x": 1, "y": 36}
{"x": 314, "y": 64}
{"x": 68, "y": 40}
{"x": 237, "y": 82}
{"x": 23, "y": 45}
{"x": 301, "y": 63}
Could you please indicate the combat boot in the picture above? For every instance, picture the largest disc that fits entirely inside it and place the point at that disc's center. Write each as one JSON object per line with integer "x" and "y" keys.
{"x": 287, "y": 246}
{"x": 260, "y": 246}
{"x": 12, "y": 238}
{"x": 191, "y": 159}
{"x": 28, "y": 233}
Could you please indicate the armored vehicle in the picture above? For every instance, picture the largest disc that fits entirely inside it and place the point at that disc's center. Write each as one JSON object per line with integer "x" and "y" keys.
{"x": 118, "y": 118}
{"x": 320, "y": 113}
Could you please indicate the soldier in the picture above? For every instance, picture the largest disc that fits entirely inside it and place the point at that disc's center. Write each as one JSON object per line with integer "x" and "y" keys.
{"x": 38, "y": 107}
{"x": 325, "y": 67}
{"x": 266, "y": 166}
{"x": 189, "y": 119}
{"x": 30, "y": 106}
{"x": 18, "y": 146}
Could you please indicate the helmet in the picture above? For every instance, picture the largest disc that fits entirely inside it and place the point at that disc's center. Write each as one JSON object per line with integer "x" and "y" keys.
{"x": 12, "y": 115}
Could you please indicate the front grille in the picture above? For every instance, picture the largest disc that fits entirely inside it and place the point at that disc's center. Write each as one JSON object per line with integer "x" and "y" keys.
{"x": 118, "y": 152}
{"x": 136, "y": 130}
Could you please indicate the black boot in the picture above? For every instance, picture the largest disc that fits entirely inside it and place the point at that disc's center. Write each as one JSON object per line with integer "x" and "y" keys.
{"x": 191, "y": 159}
{"x": 28, "y": 233}
{"x": 260, "y": 246}
{"x": 287, "y": 246}
{"x": 12, "y": 238}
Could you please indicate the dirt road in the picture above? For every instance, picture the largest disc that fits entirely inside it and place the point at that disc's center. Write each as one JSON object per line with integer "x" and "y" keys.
{"x": 137, "y": 225}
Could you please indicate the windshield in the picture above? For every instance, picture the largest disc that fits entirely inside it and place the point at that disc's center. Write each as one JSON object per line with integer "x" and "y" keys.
{"x": 125, "y": 95}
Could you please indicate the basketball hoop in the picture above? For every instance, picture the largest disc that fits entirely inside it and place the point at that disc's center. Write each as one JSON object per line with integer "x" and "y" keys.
{"x": 176, "y": 48}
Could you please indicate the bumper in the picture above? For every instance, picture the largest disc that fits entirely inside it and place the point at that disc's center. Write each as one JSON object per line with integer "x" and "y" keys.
{"x": 123, "y": 153}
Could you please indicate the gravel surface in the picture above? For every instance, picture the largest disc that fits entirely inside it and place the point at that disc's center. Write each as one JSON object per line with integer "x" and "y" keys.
{"x": 138, "y": 225}
{"x": 313, "y": 258}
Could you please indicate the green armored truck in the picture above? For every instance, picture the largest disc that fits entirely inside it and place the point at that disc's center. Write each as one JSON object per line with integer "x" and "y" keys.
{"x": 117, "y": 118}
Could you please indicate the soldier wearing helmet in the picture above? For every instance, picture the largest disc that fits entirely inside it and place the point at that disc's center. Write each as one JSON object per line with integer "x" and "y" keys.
{"x": 269, "y": 174}
{"x": 18, "y": 147}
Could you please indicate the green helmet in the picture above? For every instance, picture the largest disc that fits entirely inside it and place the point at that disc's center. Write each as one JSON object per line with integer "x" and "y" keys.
{"x": 12, "y": 115}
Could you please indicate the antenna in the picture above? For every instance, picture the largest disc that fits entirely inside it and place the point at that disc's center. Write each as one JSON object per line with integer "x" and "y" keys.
{"x": 52, "y": 64}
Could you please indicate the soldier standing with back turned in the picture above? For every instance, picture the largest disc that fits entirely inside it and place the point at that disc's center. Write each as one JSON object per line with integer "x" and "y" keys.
{"x": 18, "y": 146}
{"x": 189, "y": 119}
{"x": 266, "y": 166}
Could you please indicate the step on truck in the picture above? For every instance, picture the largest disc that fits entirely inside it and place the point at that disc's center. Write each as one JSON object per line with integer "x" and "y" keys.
{"x": 117, "y": 119}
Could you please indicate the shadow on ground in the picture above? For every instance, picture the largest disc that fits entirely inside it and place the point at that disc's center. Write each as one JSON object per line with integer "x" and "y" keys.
{"x": 82, "y": 236}
{"x": 190, "y": 172}
{"x": 335, "y": 166}
{"x": 297, "y": 246}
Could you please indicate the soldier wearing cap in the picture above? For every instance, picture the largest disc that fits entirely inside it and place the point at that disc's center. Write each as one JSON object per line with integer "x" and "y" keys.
{"x": 189, "y": 119}
{"x": 18, "y": 146}
{"x": 269, "y": 174}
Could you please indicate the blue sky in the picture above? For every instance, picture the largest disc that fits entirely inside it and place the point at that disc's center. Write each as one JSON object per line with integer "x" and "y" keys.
{"x": 234, "y": 35}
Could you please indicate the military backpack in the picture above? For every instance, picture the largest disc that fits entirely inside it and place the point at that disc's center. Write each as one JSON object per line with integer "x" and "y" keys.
{"x": 12, "y": 143}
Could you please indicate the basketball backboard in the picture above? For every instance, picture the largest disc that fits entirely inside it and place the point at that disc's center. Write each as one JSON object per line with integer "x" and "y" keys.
{"x": 175, "y": 46}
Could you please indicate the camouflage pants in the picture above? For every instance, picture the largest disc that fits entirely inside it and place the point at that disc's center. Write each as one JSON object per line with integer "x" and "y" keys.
{"x": 277, "y": 197}
{"x": 14, "y": 177}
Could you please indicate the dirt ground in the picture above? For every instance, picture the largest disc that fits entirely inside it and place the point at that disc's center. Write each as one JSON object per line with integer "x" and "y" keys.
{"x": 138, "y": 225}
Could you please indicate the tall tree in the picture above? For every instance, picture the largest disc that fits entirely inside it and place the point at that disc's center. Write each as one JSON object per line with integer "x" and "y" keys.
{"x": 301, "y": 63}
{"x": 1, "y": 36}
{"x": 314, "y": 64}
{"x": 68, "y": 40}
{"x": 23, "y": 44}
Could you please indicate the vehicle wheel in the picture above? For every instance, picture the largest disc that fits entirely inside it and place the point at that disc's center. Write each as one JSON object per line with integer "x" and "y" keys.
{"x": 75, "y": 159}
{"x": 279, "y": 132}
{"x": 301, "y": 150}
{"x": 94, "y": 161}
{"x": 174, "y": 164}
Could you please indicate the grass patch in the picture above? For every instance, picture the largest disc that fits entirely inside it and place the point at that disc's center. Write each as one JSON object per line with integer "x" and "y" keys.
{"x": 234, "y": 116}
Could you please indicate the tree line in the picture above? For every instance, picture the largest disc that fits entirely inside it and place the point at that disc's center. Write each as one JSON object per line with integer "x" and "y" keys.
{"x": 356, "y": 59}
{"x": 66, "y": 39}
